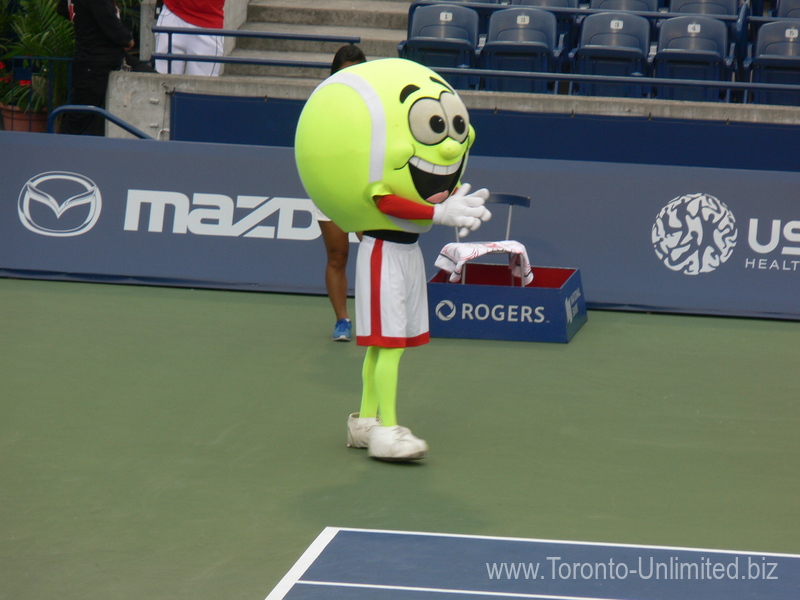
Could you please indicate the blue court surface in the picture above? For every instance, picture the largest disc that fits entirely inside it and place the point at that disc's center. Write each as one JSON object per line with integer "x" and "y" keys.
{"x": 365, "y": 564}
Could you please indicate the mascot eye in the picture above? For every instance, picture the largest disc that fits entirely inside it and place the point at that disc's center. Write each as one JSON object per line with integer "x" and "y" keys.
{"x": 457, "y": 116}
{"x": 438, "y": 124}
{"x": 428, "y": 121}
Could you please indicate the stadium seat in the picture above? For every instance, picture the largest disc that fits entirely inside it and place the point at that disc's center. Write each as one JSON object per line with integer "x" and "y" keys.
{"x": 612, "y": 44}
{"x": 788, "y": 9}
{"x": 484, "y": 12}
{"x": 630, "y": 5}
{"x": 521, "y": 39}
{"x": 443, "y": 35}
{"x": 565, "y": 21}
{"x": 776, "y": 59}
{"x": 721, "y": 8}
{"x": 728, "y": 8}
{"x": 693, "y": 48}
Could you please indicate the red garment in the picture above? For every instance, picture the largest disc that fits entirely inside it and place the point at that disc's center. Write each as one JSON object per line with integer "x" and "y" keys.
{"x": 208, "y": 14}
{"x": 403, "y": 208}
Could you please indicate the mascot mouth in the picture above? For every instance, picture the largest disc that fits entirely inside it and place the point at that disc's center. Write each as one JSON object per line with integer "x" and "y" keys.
{"x": 430, "y": 179}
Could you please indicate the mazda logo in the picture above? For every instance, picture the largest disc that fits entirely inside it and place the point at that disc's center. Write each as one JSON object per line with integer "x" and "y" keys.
{"x": 59, "y": 204}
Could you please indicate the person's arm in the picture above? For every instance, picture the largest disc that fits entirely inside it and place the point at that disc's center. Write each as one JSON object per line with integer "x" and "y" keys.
{"x": 107, "y": 17}
{"x": 460, "y": 209}
{"x": 63, "y": 9}
{"x": 402, "y": 208}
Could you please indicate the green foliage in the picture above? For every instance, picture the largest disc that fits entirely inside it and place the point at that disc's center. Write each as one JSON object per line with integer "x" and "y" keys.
{"x": 39, "y": 32}
{"x": 129, "y": 13}
{"x": 5, "y": 24}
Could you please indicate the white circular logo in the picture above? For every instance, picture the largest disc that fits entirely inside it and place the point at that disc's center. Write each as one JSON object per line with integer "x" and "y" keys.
{"x": 694, "y": 234}
{"x": 41, "y": 211}
{"x": 445, "y": 310}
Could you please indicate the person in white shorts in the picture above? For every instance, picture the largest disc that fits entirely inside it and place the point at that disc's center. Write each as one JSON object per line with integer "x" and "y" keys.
{"x": 392, "y": 314}
{"x": 190, "y": 14}
{"x": 381, "y": 147}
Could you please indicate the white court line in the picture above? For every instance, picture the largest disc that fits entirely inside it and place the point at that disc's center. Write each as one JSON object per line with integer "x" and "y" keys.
{"x": 567, "y": 542}
{"x": 306, "y": 560}
{"x": 404, "y": 588}
{"x": 324, "y": 538}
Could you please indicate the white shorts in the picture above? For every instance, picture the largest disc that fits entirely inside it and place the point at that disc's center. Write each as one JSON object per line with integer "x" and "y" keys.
{"x": 319, "y": 215}
{"x": 198, "y": 45}
{"x": 391, "y": 295}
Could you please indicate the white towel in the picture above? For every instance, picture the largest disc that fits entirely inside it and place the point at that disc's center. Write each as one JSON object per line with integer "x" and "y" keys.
{"x": 455, "y": 255}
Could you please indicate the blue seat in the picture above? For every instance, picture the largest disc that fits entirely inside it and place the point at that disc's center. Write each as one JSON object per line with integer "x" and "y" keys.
{"x": 726, "y": 8}
{"x": 776, "y": 59}
{"x": 546, "y": 3}
{"x": 693, "y": 48}
{"x": 484, "y": 12}
{"x": 631, "y": 5}
{"x": 721, "y": 8}
{"x": 565, "y": 21}
{"x": 612, "y": 44}
{"x": 443, "y": 35}
{"x": 788, "y": 9}
{"x": 521, "y": 39}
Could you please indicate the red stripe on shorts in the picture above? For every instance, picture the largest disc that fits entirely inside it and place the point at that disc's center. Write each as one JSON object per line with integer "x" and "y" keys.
{"x": 376, "y": 261}
{"x": 393, "y": 342}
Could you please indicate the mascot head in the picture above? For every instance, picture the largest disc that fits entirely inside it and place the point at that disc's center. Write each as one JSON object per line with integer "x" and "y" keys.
{"x": 387, "y": 126}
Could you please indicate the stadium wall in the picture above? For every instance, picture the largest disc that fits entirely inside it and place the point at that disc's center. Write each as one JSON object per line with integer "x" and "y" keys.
{"x": 647, "y": 232}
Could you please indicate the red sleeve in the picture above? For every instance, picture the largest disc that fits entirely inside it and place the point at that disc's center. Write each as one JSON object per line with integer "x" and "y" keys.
{"x": 402, "y": 208}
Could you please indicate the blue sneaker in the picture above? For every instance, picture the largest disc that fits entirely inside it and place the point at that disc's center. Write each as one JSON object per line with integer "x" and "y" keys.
{"x": 341, "y": 332}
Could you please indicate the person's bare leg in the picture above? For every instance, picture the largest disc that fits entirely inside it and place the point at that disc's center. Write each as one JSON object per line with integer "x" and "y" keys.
{"x": 337, "y": 247}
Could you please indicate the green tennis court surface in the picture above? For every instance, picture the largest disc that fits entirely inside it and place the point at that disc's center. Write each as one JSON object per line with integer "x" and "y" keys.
{"x": 171, "y": 443}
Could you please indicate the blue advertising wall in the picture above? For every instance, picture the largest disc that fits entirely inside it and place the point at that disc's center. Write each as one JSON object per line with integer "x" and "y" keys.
{"x": 662, "y": 237}
{"x": 171, "y": 213}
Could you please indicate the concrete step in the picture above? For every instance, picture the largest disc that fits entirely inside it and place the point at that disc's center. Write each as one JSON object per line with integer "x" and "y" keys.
{"x": 376, "y": 43}
{"x": 381, "y": 14}
{"x": 301, "y": 70}
{"x": 381, "y": 25}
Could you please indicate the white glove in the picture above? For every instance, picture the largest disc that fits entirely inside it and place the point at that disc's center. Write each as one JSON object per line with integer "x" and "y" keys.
{"x": 463, "y": 210}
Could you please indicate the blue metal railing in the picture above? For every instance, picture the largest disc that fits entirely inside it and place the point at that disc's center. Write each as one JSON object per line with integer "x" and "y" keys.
{"x": 170, "y": 57}
{"x": 741, "y": 86}
{"x": 637, "y": 80}
{"x": 83, "y": 108}
{"x": 739, "y": 22}
{"x": 742, "y": 26}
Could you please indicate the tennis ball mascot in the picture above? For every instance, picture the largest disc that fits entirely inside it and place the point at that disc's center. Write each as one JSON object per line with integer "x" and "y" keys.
{"x": 380, "y": 148}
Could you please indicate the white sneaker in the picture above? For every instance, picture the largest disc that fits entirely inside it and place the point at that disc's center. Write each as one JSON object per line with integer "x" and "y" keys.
{"x": 358, "y": 430}
{"x": 396, "y": 443}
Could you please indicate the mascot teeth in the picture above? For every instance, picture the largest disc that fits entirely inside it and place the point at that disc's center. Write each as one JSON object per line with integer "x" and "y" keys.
{"x": 424, "y": 165}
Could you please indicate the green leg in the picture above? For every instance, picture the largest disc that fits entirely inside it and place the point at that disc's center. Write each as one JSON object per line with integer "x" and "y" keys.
{"x": 369, "y": 394}
{"x": 380, "y": 374}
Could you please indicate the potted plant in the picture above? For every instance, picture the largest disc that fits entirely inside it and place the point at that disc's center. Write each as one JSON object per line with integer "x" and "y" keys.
{"x": 35, "y": 80}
